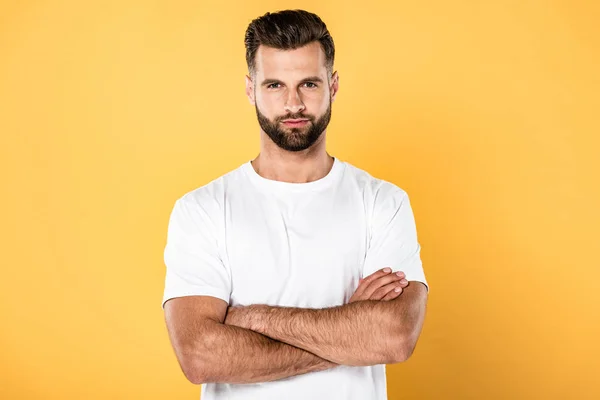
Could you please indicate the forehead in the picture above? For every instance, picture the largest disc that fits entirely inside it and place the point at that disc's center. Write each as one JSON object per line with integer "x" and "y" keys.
{"x": 308, "y": 59}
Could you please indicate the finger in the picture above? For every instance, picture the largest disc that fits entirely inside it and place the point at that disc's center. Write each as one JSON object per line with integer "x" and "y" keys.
{"x": 377, "y": 274}
{"x": 384, "y": 280}
{"x": 358, "y": 290}
{"x": 393, "y": 294}
{"x": 381, "y": 292}
{"x": 364, "y": 282}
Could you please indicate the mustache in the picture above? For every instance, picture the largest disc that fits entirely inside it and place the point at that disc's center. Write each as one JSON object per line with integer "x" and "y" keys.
{"x": 296, "y": 116}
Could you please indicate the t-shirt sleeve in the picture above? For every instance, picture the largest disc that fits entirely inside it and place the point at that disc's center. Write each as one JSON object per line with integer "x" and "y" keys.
{"x": 191, "y": 255}
{"x": 393, "y": 242}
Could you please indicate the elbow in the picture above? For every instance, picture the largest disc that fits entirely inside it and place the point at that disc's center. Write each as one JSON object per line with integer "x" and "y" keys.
{"x": 195, "y": 361}
{"x": 194, "y": 357}
{"x": 396, "y": 355}
{"x": 193, "y": 377}
{"x": 401, "y": 354}
{"x": 198, "y": 372}
{"x": 192, "y": 368}
{"x": 197, "y": 378}
{"x": 402, "y": 348}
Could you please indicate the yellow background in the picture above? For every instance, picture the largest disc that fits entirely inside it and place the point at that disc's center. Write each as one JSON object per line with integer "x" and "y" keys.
{"x": 485, "y": 112}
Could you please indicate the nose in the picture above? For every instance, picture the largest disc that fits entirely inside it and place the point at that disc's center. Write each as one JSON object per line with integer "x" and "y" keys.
{"x": 294, "y": 103}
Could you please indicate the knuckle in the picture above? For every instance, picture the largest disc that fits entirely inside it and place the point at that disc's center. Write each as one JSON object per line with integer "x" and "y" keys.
{"x": 388, "y": 279}
{"x": 391, "y": 295}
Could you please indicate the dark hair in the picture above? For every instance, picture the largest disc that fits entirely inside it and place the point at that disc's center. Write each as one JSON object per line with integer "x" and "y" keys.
{"x": 287, "y": 30}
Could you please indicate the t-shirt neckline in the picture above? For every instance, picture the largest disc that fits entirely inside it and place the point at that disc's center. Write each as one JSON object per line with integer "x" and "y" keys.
{"x": 289, "y": 186}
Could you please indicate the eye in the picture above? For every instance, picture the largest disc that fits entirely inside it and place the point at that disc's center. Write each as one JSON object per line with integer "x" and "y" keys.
{"x": 311, "y": 85}
{"x": 270, "y": 86}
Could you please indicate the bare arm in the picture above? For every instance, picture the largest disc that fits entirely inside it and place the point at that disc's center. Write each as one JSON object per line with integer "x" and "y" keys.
{"x": 361, "y": 333}
{"x": 364, "y": 332}
{"x": 209, "y": 351}
{"x": 352, "y": 334}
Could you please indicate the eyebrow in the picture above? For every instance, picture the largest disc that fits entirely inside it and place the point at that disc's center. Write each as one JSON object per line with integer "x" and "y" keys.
{"x": 308, "y": 79}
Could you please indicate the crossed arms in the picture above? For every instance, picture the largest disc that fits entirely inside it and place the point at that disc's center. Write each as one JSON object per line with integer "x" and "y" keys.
{"x": 258, "y": 343}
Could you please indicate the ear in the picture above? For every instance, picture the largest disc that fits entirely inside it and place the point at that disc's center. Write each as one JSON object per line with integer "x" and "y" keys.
{"x": 250, "y": 90}
{"x": 334, "y": 85}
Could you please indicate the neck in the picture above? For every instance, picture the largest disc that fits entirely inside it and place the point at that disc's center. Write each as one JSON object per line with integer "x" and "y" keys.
{"x": 303, "y": 166}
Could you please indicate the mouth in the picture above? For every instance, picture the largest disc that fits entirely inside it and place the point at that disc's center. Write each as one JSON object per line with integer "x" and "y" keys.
{"x": 295, "y": 122}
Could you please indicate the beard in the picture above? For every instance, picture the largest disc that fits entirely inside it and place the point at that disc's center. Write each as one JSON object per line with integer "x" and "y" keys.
{"x": 294, "y": 139}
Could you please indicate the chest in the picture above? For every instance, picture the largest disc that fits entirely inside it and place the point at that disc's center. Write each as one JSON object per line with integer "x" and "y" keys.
{"x": 307, "y": 251}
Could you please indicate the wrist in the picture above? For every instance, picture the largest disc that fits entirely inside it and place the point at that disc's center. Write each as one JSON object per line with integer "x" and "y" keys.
{"x": 242, "y": 317}
{"x": 233, "y": 316}
{"x": 253, "y": 316}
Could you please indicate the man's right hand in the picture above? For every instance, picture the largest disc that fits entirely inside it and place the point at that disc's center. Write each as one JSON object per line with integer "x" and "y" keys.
{"x": 380, "y": 285}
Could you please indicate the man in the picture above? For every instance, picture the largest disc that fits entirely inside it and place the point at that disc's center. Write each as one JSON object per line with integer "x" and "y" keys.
{"x": 264, "y": 291}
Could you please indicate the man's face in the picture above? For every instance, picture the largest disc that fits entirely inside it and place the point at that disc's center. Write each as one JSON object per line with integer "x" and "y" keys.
{"x": 292, "y": 95}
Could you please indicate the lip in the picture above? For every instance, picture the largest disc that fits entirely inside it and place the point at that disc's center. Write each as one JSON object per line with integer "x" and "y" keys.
{"x": 295, "y": 122}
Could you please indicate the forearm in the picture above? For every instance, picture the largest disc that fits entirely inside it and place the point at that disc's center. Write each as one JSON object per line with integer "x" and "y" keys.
{"x": 232, "y": 354}
{"x": 358, "y": 334}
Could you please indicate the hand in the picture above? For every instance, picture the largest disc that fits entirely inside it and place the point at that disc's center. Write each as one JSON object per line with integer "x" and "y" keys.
{"x": 380, "y": 285}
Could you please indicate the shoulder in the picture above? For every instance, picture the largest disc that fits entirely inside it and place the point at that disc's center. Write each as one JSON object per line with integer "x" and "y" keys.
{"x": 212, "y": 193}
{"x": 207, "y": 202}
{"x": 375, "y": 190}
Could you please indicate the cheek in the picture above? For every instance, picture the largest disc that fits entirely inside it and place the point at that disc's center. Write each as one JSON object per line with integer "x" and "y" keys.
{"x": 316, "y": 105}
{"x": 316, "y": 100}
{"x": 269, "y": 102}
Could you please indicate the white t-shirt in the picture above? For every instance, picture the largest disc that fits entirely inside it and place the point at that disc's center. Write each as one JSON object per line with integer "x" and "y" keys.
{"x": 251, "y": 240}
